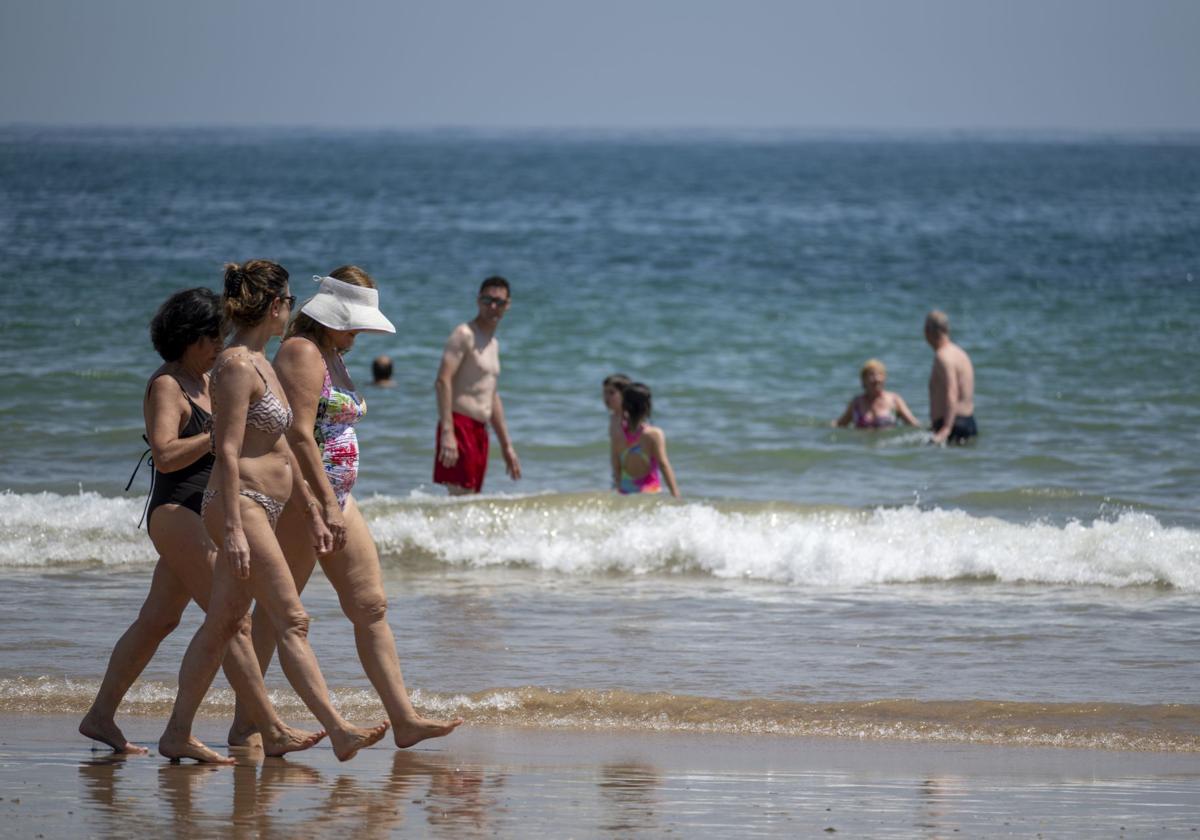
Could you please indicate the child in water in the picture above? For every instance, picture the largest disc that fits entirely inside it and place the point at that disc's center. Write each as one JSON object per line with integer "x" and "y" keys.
{"x": 639, "y": 450}
{"x": 875, "y": 408}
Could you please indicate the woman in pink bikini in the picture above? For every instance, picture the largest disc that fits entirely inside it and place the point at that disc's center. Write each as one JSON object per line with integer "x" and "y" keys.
{"x": 639, "y": 450}
{"x": 875, "y": 408}
{"x": 323, "y": 438}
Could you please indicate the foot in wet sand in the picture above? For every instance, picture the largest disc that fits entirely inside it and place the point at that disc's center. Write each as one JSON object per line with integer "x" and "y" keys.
{"x": 243, "y": 736}
{"x": 421, "y": 729}
{"x": 348, "y": 742}
{"x": 286, "y": 740}
{"x": 106, "y": 731}
{"x": 190, "y": 747}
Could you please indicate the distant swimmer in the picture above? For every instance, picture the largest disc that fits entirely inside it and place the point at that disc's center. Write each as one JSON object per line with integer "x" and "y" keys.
{"x": 951, "y": 384}
{"x": 381, "y": 372}
{"x": 875, "y": 408}
{"x": 639, "y": 450}
{"x": 468, "y": 399}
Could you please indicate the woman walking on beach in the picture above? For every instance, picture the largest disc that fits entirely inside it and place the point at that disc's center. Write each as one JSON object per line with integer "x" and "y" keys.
{"x": 253, "y": 476}
{"x": 186, "y": 332}
{"x": 639, "y": 450}
{"x": 325, "y": 444}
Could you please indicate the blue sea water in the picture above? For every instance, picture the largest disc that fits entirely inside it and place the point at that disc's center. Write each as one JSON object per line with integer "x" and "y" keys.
{"x": 745, "y": 278}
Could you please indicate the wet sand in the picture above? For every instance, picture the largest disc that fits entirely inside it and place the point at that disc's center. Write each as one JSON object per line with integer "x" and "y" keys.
{"x": 486, "y": 781}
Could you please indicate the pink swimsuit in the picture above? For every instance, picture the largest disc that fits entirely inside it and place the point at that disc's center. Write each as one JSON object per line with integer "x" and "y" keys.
{"x": 648, "y": 483}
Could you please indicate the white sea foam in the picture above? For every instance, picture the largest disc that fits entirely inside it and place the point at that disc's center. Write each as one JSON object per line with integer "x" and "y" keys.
{"x": 581, "y": 535}
{"x": 46, "y": 529}
{"x": 792, "y": 546}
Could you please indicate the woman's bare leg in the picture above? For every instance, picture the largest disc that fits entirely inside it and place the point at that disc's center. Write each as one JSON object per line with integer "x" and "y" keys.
{"x": 160, "y": 614}
{"x": 292, "y": 533}
{"x": 183, "y": 573}
{"x": 355, "y": 574}
{"x": 272, "y": 586}
{"x": 228, "y": 605}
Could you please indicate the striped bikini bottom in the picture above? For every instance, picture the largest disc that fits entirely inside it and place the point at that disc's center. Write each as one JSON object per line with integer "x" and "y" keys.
{"x": 273, "y": 507}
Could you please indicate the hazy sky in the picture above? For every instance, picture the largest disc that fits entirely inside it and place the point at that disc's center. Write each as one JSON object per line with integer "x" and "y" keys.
{"x": 841, "y": 64}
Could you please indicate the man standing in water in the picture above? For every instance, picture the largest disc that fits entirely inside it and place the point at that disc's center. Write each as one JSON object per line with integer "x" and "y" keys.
{"x": 467, "y": 398}
{"x": 951, "y": 384}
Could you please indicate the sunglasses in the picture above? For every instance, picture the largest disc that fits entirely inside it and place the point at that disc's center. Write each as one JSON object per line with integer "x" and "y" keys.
{"x": 489, "y": 300}
{"x": 290, "y": 300}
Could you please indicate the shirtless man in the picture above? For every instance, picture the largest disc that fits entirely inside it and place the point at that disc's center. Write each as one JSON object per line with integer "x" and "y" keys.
{"x": 467, "y": 398}
{"x": 951, "y": 384}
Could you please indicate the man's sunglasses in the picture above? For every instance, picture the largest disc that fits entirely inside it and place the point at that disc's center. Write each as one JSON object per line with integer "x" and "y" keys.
{"x": 489, "y": 300}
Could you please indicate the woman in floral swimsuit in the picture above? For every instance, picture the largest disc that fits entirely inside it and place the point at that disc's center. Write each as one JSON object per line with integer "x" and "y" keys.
{"x": 325, "y": 443}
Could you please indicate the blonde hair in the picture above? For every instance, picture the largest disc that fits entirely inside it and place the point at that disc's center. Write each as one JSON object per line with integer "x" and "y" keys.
{"x": 872, "y": 365}
{"x": 318, "y": 333}
{"x": 250, "y": 289}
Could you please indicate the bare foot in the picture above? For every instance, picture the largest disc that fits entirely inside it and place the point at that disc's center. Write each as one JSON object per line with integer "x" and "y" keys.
{"x": 416, "y": 731}
{"x": 349, "y": 741}
{"x": 242, "y": 735}
{"x": 286, "y": 739}
{"x": 106, "y": 731}
{"x": 175, "y": 749}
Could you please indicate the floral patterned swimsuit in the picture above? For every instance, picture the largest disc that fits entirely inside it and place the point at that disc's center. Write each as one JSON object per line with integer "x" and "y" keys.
{"x": 337, "y": 412}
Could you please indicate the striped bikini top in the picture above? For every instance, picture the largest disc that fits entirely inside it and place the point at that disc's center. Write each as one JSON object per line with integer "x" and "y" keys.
{"x": 267, "y": 414}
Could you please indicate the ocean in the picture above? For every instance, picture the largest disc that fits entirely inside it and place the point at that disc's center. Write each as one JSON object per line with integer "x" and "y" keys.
{"x": 1037, "y": 587}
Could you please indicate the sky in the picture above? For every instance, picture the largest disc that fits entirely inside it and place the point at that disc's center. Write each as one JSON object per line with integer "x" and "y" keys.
{"x": 1072, "y": 65}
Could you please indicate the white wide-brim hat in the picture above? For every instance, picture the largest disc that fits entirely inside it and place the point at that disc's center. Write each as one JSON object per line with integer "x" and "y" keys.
{"x": 344, "y": 306}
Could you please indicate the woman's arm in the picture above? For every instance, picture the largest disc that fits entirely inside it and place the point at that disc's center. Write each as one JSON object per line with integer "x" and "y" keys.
{"x": 847, "y": 415}
{"x": 902, "y": 410}
{"x": 658, "y": 449}
{"x": 322, "y": 536}
{"x": 166, "y": 410}
{"x": 301, "y": 372}
{"x": 233, "y": 392}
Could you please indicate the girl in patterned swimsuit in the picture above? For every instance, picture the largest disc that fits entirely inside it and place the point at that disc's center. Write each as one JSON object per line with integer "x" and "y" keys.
{"x": 875, "y": 408}
{"x": 639, "y": 450}
{"x": 253, "y": 475}
{"x": 325, "y": 444}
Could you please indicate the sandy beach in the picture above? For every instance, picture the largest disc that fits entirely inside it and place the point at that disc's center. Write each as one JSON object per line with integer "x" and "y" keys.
{"x": 512, "y": 782}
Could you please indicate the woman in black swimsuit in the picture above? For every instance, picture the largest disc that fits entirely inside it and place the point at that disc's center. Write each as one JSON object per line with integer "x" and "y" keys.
{"x": 186, "y": 332}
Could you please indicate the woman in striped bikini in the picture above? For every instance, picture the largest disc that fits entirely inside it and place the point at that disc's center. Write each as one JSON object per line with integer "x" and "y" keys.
{"x": 253, "y": 476}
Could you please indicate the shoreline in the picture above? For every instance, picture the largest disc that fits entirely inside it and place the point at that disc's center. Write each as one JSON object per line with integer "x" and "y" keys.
{"x": 506, "y": 781}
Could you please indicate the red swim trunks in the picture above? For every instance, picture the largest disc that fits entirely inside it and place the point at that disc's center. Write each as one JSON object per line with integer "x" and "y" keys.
{"x": 472, "y": 438}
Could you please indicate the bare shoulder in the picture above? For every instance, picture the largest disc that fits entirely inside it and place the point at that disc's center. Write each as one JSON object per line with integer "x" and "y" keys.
{"x": 654, "y": 433}
{"x": 164, "y": 387}
{"x": 298, "y": 353}
{"x": 234, "y": 367}
{"x": 462, "y": 334}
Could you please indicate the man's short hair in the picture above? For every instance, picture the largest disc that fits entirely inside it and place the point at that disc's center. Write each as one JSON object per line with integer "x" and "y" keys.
{"x": 381, "y": 368}
{"x": 495, "y": 282}
{"x": 938, "y": 321}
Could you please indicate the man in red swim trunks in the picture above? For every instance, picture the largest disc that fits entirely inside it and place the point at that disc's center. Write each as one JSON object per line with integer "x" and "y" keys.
{"x": 467, "y": 398}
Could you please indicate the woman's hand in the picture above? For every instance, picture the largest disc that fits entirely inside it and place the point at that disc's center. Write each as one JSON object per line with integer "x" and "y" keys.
{"x": 237, "y": 550}
{"x": 332, "y": 516}
{"x": 321, "y": 535}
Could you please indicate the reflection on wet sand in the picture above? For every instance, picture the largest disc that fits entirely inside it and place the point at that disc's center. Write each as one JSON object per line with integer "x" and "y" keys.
{"x": 630, "y": 792}
{"x": 273, "y": 797}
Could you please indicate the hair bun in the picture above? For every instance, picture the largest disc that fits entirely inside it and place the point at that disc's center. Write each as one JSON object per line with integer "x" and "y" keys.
{"x": 234, "y": 278}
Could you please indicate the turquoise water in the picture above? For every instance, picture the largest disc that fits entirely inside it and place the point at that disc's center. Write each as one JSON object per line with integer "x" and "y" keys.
{"x": 745, "y": 278}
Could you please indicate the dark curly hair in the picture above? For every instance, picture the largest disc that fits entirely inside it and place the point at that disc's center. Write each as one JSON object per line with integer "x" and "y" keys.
{"x": 250, "y": 289}
{"x": 183, "y": 319}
